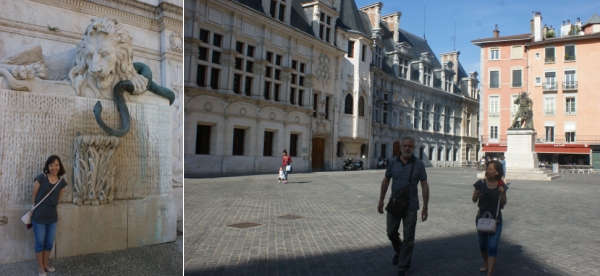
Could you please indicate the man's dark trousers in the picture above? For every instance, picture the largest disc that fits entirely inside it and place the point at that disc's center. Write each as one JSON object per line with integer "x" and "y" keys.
{"x": 403, "y": 248}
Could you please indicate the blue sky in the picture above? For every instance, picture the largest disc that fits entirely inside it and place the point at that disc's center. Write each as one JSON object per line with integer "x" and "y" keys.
{"x": 476, "y": 19}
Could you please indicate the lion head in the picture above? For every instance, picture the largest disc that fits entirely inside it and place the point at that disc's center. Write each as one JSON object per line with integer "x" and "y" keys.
{"x": 104, "y": 57}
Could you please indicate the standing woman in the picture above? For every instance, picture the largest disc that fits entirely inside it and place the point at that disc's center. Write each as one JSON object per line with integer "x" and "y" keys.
{"x": 487, "y": 194}
{"x": 285, "y": 160}
{"x": 45, "y": 217}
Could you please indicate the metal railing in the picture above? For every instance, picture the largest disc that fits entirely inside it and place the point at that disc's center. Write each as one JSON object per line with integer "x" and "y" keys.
{"x": 569, "y": 85}
{"x": 570, "y": 113}
{"x": 541, "y": 139}
{"x": 549, "y": 112}
{"x": 550, "y": 86}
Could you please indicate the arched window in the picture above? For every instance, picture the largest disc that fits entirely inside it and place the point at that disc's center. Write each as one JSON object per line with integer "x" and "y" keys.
{"x": 348, "y": 106}
{"x": 361, "y": 106}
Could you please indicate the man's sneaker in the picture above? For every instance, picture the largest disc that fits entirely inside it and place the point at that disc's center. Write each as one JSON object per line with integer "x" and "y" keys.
{"x": 395, "y": 259}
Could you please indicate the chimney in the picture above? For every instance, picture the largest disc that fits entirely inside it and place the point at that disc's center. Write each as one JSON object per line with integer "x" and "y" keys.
{"x": 531, "y": 22}
{"x": 496, "y": 32}
{"x": 545, "y": 30}
{"x": 393, "y": 21}
{"x": 537, "y": 28}
{"x": 374, "y": 13}
{"x": 578, "y": 20}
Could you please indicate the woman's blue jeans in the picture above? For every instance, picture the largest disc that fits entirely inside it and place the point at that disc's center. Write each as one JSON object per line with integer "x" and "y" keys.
{"x": 44, "y": 236}
{"x": 489, "y": 242}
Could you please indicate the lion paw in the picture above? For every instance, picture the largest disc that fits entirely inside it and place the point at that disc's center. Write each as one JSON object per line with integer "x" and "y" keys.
{"x": 140, "y": 83}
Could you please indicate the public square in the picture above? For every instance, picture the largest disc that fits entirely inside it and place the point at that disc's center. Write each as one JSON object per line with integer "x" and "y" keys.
{"x": 326, "y": 223}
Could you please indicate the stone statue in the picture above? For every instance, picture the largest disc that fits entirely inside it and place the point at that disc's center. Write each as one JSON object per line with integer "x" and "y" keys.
{"x": 102, "y": 61}
{"x": 524, "y": 116}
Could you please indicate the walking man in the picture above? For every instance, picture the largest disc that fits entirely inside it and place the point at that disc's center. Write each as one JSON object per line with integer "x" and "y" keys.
{"x": 399, "y": 169}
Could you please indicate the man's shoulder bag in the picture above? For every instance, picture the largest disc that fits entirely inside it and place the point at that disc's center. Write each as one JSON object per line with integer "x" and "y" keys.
{"x": 399, "y": 199}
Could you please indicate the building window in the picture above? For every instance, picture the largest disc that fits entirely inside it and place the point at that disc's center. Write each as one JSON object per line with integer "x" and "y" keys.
{"x": 315, "y": 101}
{"x": 439, "y": 154}
{"x": 403, "y": 68}
{"x": 448, "y": 154}
{"x": 327, "y": 100}
{"x": 385, "y": 108}
{"x": 494, "y": 53}
{"x": 550, "y": 55}
{"x": 277, "y": 9}
{"x": 549, "y": 106}
{"x": 516, "y": 52}
{"x": 377, "y": 56}
{"x": 428, "y": 73}
{"x": 517, "y": 78}
{"x": 273, "y": 76}
{"x": 537, "y": 55}
{"x": 468, "y": 126}
{"x": 569, "y": 52}
{"x": 325, "y": 27}
{"x": 238, "y": 141}
{"x": 244, "y": 63}
{"x": 350, "y": 48}
{"x": 455, "y": 155}
{"x": 431, "y": 153}
{"x": 570, "y": 107}
{"x": 339, "y": 149}
{"x": 209, "y": 59}
{"x": 425, "y": 112}
{"x": 550, "y": 83}
{"x": 348, "y": 105}
{"x": 570, "y": 80}
{"x": 550, "y": 134}
{"x": 383, "y": 150}
{"x": 468, "y": 154}
{"x": 494, "y": 132}
{"x": 538, "y": 81}
{"x": 294, "y": 144}
{"x": 494, "y": 106}
{"x": 297, "y": 83}
{"x": 268, "y": 144}
{"x": 570, "y": 137}
{"x": 437, "y": 114}
{"x": 203, "y": 139}
{"x": 363, "y": 52}
{"x": 447, "y": 116}
{"x": 494, "y": 79}
{"x": 416, "y": 115}
{"x": 361, "y": 106}
{"x": 363, "y": 150}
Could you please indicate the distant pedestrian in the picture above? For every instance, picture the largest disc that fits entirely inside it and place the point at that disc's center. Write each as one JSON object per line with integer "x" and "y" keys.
{"x": 400, "y": 170}
{"x": 45, "y": 216}
{"x": 487, "y": 194}
{"x": 504, "y": 167}
{"x": 286, "y": 164}
{"x": 482, "y": 164}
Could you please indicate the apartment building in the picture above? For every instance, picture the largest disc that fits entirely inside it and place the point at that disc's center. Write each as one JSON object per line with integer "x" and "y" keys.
{"x": 561, "y": 78}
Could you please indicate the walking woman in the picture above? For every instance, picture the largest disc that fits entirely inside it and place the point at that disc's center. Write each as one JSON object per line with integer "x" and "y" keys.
{"x": 45, "y": 217}
{"x": 487, "y": 194}
{"x": 285, "y": 161}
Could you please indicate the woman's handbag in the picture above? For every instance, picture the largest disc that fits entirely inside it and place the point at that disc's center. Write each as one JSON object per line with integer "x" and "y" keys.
{"x": 487, "y": 224}
{"x": 27, "y": 217}
{"x": 288, "y": 168}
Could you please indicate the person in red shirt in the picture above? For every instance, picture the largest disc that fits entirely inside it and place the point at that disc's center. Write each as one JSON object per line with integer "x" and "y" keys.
{"x": 286, "y": 160}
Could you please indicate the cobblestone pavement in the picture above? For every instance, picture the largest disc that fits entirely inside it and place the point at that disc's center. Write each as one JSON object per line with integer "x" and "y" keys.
{"x": 159, "y": 259}
{"x": 549, "y": 227}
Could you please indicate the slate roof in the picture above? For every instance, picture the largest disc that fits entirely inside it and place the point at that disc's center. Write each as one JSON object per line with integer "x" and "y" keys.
{"x": 352, "y": 19}
{"x": 298, "y": 17}
{"x": 595, "y": 19}
{"x": 418, "y": 45}
{"x": 253, "y": 4}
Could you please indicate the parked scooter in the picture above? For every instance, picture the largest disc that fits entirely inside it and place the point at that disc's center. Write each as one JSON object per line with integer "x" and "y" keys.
{"x": 348, "y": 164}
{"x": 358, "y": 164}
{"x": 382, "y": 164}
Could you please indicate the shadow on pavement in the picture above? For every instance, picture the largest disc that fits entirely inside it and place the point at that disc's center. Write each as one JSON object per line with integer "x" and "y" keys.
{"x": 458, "y": 255}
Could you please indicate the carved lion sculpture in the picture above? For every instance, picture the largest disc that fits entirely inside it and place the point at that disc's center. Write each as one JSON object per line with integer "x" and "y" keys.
{"x": 102, "y": 61}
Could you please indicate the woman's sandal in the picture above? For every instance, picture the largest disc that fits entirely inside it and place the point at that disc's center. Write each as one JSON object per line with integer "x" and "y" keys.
{"x": 483, "y": 269}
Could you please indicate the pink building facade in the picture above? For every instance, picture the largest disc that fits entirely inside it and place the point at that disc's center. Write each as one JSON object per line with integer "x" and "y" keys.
{"x": 558, "y": 69}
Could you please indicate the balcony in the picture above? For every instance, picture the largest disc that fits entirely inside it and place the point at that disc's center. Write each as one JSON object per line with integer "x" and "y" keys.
{"x": 569, "y": 85}
{"x": 499, "y": 139}
{"x": 494, "y": 114}
{"x": 549, "y": 86}
{"x": 570, "y": 113}
{"x": 549, "y": 112}
{"x": 550, "y": 59}
{"x": 563, "y": 139}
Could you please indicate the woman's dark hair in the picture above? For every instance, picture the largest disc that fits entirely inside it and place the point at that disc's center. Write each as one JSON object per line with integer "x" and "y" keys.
{"x": 499, "y": 168}
{"x": 51, "y": 159}
{"x": 285, "y": 151}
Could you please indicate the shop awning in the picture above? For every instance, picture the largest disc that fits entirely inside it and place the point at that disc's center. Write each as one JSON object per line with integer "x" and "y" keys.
{"x": 494, "y": 149}
{"x": 546, "y": 148}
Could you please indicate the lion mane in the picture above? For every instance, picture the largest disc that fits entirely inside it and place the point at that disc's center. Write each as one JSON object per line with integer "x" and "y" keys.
{"x": 111, "y": 29}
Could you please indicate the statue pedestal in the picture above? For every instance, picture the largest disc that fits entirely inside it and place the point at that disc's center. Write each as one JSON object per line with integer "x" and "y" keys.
{"x": 521, "y": 159}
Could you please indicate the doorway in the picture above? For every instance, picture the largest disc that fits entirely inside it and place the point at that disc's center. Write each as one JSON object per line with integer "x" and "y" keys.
{"x": 318, "y": 154}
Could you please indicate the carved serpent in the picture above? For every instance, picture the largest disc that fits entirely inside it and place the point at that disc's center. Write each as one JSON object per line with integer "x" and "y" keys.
{"x": 128, "y": 86}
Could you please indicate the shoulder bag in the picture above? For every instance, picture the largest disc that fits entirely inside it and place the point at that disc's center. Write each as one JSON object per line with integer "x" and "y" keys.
{"x": 27, "y": 217}
{"x": 487, "y": 224}
{"x": 399, "y": 199}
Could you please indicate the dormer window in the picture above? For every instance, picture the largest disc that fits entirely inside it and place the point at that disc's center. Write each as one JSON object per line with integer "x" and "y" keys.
{"x": 325, "y": 26}
{"x": 277, "y": 9}
{"x": 377, "y": 56}
{"x": 403, "y": 64}
{"x": 427, "y": 75}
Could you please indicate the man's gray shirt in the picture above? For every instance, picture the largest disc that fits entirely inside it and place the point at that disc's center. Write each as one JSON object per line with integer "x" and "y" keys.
{"x": 398, "y": 172}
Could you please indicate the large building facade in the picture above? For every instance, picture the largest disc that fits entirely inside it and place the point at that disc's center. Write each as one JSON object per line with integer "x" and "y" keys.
{"x": 557, "y": 70}
{"x": 323, "y": 80}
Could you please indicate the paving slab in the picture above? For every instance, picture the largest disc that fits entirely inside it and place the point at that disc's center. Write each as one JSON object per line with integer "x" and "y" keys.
{"x": 326, "y": 223}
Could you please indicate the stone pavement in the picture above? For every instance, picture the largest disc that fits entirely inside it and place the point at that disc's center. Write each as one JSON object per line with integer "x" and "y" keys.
{"x": 549, "y": 227}
{"x": 159, "y": 259}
